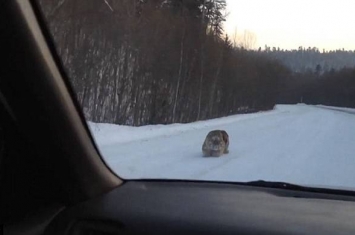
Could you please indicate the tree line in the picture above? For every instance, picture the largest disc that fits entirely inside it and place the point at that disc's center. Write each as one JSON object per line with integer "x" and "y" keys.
{"x": 308, "y": 59}
{"x": 333, "y": 88}
{"x": 139, "y": 62}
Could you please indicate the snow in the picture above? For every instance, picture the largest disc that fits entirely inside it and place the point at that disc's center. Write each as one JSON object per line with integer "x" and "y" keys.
{"x": 300, "y": 144}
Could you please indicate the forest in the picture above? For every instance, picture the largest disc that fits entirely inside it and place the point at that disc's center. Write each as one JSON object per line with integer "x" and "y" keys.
{"x": 309, "y": 59}
{"x": 140, "y": 62}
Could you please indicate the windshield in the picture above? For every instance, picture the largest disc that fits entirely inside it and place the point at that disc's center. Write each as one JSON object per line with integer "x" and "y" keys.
{"x": 215, "y": 90}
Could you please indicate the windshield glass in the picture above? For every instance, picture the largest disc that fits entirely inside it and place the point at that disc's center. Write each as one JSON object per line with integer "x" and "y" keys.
{"x": 217, "y": 90}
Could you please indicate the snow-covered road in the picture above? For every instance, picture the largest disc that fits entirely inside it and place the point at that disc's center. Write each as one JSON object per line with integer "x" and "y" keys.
{"x": 307, "y": 145}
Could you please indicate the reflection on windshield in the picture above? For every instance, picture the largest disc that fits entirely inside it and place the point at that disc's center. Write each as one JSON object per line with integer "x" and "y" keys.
{"x": 154, "y": 77}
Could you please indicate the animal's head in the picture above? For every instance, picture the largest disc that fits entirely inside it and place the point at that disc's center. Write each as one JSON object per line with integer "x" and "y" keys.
{"x": 215, "y": 140}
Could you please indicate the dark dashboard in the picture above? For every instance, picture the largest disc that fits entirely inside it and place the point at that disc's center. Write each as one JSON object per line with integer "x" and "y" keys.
{"x": 207, "y": 208}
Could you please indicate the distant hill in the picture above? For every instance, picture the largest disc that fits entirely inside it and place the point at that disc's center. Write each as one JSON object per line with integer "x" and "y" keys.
{"x": 311, "y": 59}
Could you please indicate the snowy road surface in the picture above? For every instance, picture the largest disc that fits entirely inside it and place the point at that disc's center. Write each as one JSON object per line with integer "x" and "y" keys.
{"x": 307, "y": 145}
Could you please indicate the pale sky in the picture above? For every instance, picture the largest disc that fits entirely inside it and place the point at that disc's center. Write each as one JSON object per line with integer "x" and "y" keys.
{"x": 288, "y": 24}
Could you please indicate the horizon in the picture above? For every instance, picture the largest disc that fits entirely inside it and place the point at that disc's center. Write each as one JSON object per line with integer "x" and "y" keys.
{"x": 322, "y": 24}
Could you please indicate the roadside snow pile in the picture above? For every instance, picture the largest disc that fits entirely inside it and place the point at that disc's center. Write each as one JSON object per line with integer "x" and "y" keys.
{"x": 346, "y": 110}
{"x": 107, "y": 134}
{"x": 301, "y": 144}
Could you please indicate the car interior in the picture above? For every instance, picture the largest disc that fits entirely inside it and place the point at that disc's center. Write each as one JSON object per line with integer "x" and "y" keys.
{"x": 54, "y": 181}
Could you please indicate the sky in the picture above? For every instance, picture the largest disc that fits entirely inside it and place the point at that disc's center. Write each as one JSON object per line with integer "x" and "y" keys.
{"x": 288, "y": 24}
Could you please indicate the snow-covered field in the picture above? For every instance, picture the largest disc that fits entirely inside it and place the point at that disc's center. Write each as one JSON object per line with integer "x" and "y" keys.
{"x": 301, "y": 144}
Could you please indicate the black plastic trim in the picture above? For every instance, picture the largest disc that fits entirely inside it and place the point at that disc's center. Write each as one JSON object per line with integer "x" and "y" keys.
{"x": 33, "y": 83}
